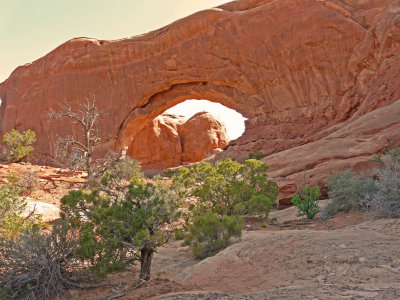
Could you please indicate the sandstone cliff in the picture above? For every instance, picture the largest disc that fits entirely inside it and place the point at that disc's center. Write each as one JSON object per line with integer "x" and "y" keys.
{"x": 302, "y": 71}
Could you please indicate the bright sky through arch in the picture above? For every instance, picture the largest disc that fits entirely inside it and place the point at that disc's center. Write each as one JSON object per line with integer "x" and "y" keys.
{"x": 234, "y": 121}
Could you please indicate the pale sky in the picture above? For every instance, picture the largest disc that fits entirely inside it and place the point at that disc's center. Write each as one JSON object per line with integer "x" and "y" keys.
{"x": 29, "y": 29}
{"x": 234, "y": 122}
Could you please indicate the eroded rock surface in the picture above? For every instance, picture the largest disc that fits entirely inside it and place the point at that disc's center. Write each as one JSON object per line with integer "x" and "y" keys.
{"x": 357, "y": 261}
{"x": 201, "y": 136}
{"x": 302, "y": 71}
{"x": 171, "y": 141}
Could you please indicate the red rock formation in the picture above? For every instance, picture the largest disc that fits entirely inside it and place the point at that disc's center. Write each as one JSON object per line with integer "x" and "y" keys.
{"x": 201, "y": 135}
{"x": 158, "y": 145}
{"x": 171, "y": 141}
{"x": 299, "y": 70}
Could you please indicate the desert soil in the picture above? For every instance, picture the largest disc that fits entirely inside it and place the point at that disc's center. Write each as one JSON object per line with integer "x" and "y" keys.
{"x": 350, "y": 256}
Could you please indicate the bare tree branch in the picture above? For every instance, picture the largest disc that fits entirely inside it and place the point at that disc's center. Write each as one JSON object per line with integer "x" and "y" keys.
{"x": 77, "y": 152}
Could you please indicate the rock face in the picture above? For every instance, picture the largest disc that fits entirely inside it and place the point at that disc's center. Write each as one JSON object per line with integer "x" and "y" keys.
{"x": 202, "y": 135}
{"x": 171, "y": 141}
{"x": 158, "y": 145}
{"x": 283, "y": 263}
{"x": 302, "y": 71}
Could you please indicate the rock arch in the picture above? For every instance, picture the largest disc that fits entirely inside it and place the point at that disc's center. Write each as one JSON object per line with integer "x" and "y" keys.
{"x": 162, "y": 101}
{"x": 299, "y": 70}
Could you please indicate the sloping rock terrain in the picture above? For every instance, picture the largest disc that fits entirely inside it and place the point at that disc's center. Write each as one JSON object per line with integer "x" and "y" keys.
{"x": 355, "y": 262}
{"x": 171, "y": 141}
{"x": 305, "y": 73}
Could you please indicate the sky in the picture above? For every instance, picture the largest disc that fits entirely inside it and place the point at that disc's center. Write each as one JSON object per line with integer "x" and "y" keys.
{"x": 234, "y": 121}
{"x": 29, "y": 29}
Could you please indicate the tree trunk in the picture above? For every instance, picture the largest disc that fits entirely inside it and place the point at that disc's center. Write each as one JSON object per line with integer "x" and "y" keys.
{"x": 88, "y": 165}
{"x": 146, "y": 255}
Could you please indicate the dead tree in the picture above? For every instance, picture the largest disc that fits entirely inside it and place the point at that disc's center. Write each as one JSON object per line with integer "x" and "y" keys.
{"x": 77, "y": 152}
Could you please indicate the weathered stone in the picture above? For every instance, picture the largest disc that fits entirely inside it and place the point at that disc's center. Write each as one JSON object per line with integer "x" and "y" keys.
{"x": 200, "y": 135}
{"x": 48, "y": 212}
{"x": 158, "y": 145}
{"x": 170, "y": 141}
{"x": 299, "y": 70}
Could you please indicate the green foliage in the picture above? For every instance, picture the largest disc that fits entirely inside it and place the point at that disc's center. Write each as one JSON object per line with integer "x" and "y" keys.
{"x": 345, "y": 191}
{"x": 19, "y": 144}
{"x": 229, "y": 187}
{"x": 209, "y": 233}
{"x": 390, "y": 154}
{"x": 179, "y": 234}
{"x": 120, "y": 221}
{"x": 14, "y": 179}
{"x": 381, "y": 196}
{"x": 263, "y": 226}
{"x": 12, "y": 206}
{"x": 393, "y": 154}
{"x": 256, "y": 155}
{"x": 306, "y": 201}
{"x": 38, "y": 265}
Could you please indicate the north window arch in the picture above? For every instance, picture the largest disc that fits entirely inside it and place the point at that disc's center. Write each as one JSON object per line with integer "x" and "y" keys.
{"x": 185, "y": 133}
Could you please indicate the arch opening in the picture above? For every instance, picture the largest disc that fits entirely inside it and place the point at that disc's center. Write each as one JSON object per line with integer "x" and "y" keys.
{"x": 187, "y": 132}
{"x": 233, "y": 120}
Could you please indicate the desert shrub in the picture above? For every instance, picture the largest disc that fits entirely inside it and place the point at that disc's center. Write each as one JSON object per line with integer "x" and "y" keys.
{"x": 209, "y": 233}
{"x": 306, "y": 201}
{"x": 38, "y": 265}
{"x": 12, "y": 206}
{"x": 122, "y": 221}
{"x": 229, "y": 187}
{"x": 19, "y": 144}
{"x": 13, "y": 179}
{"x": 391, "y": 153}
{"x": 384, "y": 200}
{"x": 179, "y": 234}
{"x": 256, "y": 155}
{"x": 346, "y": 189}
{"x": 28, "y": 181}
{"x": 112, "y": 171}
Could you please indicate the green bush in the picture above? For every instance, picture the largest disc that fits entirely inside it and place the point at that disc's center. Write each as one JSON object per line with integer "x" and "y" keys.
{"x": 209, "y": 233}
{"x": 38, "y": 265}
{"x": 19, "y": 144}
{"x": 346, "y": 189}
{"x": 380, "y": 196}
{"x": 12, "y": 206}
{"x": 256, "y": 155}
{"x": 179, "y": 234}
{"x": 306, "y": 201}
{"x": 122, "y": 221}
{"x": 229, "y": 187}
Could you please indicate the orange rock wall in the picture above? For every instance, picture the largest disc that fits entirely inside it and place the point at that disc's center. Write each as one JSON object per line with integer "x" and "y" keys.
{"x": 299, "y": 70}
